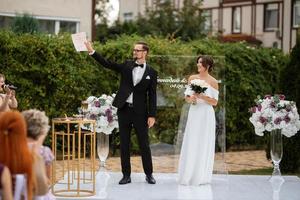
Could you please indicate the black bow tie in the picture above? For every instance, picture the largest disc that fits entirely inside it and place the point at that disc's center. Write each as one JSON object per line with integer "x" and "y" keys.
{"x": 138, "y": 65}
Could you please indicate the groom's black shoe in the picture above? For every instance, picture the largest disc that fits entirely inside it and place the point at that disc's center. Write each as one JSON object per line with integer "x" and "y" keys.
{"x": 125, "y": 180}
{"x": 150, "y": 179}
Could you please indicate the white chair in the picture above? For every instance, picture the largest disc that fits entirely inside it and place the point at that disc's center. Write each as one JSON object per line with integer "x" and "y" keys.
{"x": 20, "y": 189}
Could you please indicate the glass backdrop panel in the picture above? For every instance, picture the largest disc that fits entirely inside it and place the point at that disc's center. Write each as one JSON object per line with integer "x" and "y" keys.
{"x": 166, "y": 137}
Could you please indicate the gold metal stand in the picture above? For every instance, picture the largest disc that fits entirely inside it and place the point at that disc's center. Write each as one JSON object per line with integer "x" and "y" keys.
{"x": 73, "y": 166}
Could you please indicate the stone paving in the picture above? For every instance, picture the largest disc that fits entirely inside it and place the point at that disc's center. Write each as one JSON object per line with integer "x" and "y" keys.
{"x": 234, "y": 161}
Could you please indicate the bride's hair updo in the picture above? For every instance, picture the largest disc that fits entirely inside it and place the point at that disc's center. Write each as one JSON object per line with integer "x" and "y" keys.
{"x": 207, "y": 62}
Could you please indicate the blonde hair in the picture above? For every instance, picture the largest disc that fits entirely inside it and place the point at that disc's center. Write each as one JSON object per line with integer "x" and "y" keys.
{"x": 37, "y": 123}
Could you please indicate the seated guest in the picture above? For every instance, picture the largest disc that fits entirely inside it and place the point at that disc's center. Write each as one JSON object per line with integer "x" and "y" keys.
{"x": 15, "y": 154}
{"x": 5, "y": 183}
{"x": 8, "y": 100}
{"x": 37, "y": 130}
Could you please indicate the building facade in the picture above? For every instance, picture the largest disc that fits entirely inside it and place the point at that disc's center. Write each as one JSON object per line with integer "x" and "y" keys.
{"x": 53, "y": 16}
{"x": 274, "y": 22}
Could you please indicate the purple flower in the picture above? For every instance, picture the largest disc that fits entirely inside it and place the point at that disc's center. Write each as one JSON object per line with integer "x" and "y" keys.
{"x": 110, "y": 118}
{"x": 108, "y": 112}
{"x": 281, "y": 96}
{"x": 268, "y": 96}
{"x": 288, "y": 108}
{"x": 93, "y": 116}
{"x": 263, "y": 120}
{"x": 287, "y": 119}
{"x": 259, "y": 107}
{"x": 277, "y": 120}
{"x": 273, "y": 104}
{"x": 97, "y": 104}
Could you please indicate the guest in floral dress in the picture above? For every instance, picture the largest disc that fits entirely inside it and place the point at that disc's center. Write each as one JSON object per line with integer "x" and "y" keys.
{"x": 37, "y": 130}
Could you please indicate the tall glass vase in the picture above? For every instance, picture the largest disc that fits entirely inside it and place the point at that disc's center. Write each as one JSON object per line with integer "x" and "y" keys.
{"x": 102, "y": 147}
{"x": 276, "y": 150}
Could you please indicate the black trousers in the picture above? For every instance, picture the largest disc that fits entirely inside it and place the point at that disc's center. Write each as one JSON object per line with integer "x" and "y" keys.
{"x": 128, "y": 119}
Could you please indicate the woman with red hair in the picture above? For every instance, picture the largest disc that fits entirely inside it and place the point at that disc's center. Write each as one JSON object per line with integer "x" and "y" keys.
{"x": 14, "y": 151}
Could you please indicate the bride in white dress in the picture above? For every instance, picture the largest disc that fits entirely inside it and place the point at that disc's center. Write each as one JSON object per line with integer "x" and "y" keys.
{"x": 198, "y": 147}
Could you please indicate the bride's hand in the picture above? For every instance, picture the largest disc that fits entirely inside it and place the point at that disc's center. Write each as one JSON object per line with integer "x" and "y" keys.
{"x": 193, "y": 99}
{"x": 200, "y": 96}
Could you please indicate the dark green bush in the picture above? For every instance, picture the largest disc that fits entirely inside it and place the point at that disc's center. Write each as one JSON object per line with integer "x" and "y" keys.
{"x": 52, "y": 76}
{"x": 290, "y": 84}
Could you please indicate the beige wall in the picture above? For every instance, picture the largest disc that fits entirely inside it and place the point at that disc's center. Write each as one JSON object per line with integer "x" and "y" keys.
{"x": 268, "y": 38}
{"x": 287, "y": 27}
{"x": 227, "y": 12}
{"x": 68, "y": 10}
{"x": 246, "y": 20}
{"x": 215, "y": 20}
{"x": 127, "y": 6}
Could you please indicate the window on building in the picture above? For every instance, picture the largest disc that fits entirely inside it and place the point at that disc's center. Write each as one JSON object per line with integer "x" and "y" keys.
{"x": 128, "y": 16}
{"x": 6, "y": 22}
{"x": 47, "y": 26}
{"x": 271, "y": 17}
{"x": 236, "y": 20}
{"x": 207, "y": 23}
{"x": 296, "y": 14}
{"x": 67, "y": 26}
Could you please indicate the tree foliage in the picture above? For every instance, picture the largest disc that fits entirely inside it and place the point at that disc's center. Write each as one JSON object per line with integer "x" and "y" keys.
{"x": 52, "y": 76}
{"x": 163, "y": 20}
{"x": 25, "y": 24}
{"x": 290, "y": 85}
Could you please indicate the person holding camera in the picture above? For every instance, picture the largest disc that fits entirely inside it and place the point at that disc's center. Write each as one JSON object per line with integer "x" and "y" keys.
{"x": 8, "y": 100}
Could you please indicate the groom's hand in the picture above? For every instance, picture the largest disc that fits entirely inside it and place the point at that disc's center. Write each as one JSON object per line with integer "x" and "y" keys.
{"x": 89, "y": 46}
{"x": 151, "y": 121}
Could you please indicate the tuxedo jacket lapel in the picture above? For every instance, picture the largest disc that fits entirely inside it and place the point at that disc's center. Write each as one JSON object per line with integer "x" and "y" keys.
{"x": 146, "y": 72}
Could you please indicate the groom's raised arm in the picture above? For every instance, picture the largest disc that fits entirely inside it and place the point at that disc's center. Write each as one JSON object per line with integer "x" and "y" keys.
{"x": 100, "y": 59}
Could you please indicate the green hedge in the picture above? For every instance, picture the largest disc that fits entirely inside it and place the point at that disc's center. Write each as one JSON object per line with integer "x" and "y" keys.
{"x": 290, "y": 84}
{"x": 53, "y": 77}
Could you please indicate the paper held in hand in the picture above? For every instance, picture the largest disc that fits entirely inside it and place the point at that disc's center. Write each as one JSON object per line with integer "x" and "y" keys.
{"x": 78, "y": 41}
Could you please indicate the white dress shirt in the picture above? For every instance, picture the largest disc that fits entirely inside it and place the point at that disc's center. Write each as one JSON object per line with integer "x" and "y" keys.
{"x": 137, "y": 75}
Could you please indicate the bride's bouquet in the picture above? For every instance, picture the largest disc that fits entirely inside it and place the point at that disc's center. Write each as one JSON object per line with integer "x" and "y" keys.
{"x": 196, "y": 86}
{"x": 101, "y": 110}
{"x": 273, "y": 112}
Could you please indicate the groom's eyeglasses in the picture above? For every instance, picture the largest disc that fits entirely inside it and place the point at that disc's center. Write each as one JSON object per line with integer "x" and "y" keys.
{"x": 138, "y": 50}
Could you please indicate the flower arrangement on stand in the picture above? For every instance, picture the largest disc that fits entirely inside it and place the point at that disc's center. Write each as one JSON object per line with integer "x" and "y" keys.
{"x": 101, "y": 110}
{"x": 273, "y": 112}
{"x": 278, "y": 116}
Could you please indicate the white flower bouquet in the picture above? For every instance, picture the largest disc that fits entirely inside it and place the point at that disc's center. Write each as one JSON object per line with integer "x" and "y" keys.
{"x": 196, "y": 86}
{"x": 101, "y": 110}
{"x": 273, "y": 112}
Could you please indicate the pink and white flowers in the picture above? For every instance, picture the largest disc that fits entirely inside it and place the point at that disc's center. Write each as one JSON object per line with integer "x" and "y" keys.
{"x": 101, "y": 110}
{"x": 273, "y": 112}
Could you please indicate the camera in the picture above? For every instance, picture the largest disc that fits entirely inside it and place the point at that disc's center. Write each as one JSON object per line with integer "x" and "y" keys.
{"x": 12, "y": 87}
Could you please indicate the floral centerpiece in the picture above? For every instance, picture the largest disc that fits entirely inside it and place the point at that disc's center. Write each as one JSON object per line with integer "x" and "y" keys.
{"x": 273, "y": 112}
{"x": 196, "y": 86}
{"x": 101, "y": 110}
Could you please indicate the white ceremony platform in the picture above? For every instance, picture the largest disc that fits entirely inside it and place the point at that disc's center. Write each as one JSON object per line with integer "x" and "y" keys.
{"x": 231, "y": 187}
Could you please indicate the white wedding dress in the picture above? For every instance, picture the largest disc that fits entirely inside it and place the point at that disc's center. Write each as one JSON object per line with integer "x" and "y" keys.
{"x": 198, "y": 147}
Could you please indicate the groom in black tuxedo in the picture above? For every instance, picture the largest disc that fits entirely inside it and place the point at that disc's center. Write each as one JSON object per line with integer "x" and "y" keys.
{"x": 136, "y": 103}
